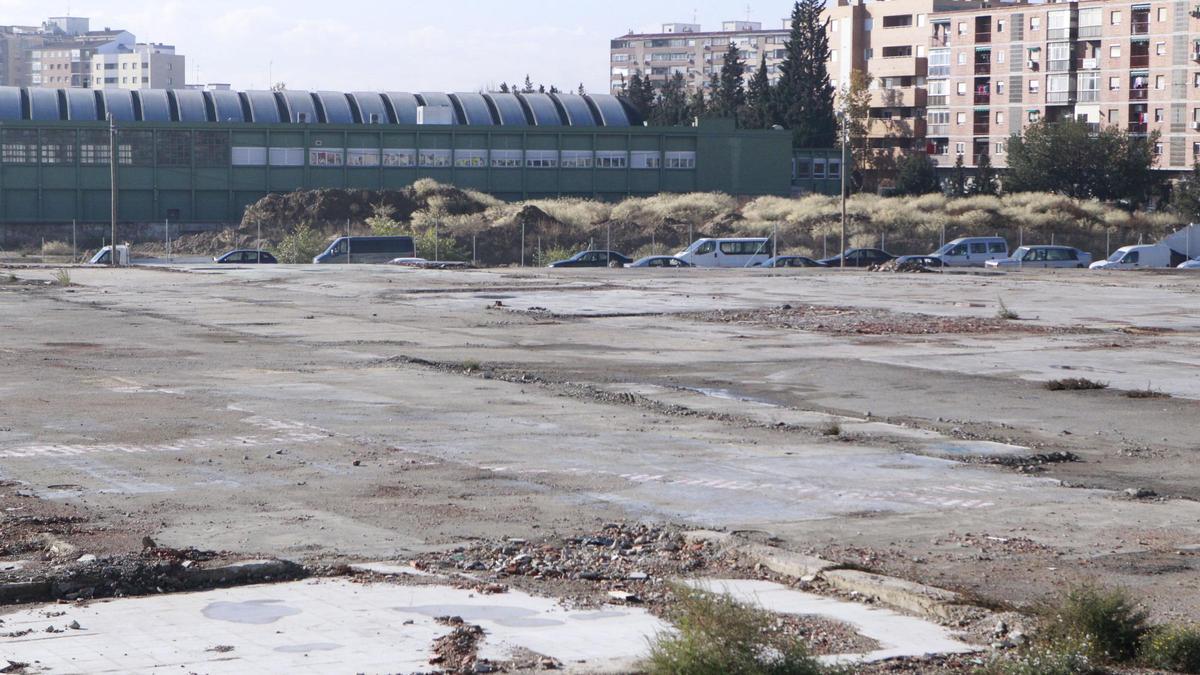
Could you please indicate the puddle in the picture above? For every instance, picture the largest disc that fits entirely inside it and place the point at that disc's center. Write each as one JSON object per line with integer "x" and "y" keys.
{"x": 510, "y": 617}
{"x": 257, "y": 612}
{"x": 727, "y": 395}
{"x": 304, "y": 649}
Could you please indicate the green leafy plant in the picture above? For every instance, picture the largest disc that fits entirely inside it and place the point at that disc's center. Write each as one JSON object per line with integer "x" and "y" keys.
{"x": 301, "y": 245}
{"x": 1106, "y": 625}
{"x": 1174, "y": 648}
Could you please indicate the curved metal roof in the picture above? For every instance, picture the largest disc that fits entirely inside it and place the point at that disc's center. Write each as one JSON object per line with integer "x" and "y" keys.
{"x": 10, "y": 104}
{"x": 578, "y": 112}
{"x": 336, "y": 107}
{"x": 509, "y": 108}
{"x": 264, "y": 109}
{"x": 300, "y": 106}
{"x": 474, "y": 108}
{"x": 119, "y": 104}
{"x": 545, "y": 113}
{"x": 370, "y": 104}
{"x": 81, "y": 105}
{"x": 268, "y": 107}
{"x": 43, "y": 105}
{"x": 154, "y": 104}
{"x": 405, "y": 105}
{"x": 612, "y": 112}
{"x": 227, "y": 105}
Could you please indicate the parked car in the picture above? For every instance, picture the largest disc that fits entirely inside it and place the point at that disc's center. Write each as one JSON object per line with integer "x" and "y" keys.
{"x": 1191, "y": 265}
{"x": 661, "y": 261}
{"x": 972, "y": 251}
{"x": 1144, "y": 256}
{"x": 859, "y": 257}
{"x": 929, "y": 261}
{"x": 791, "y": 261}
{"x": 1041, "y": 257}
{"x": 745, "y": 252}
{"x": 593, "y": 259}
{"x": 246, "y": 257}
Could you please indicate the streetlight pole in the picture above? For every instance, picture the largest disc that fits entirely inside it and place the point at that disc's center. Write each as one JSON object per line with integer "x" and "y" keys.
{"x": 845, "y": 141}
{"x": 112, "y": 178}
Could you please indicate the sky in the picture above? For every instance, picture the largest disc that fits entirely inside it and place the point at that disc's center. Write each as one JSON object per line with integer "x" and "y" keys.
{"x": 404, "y": 45}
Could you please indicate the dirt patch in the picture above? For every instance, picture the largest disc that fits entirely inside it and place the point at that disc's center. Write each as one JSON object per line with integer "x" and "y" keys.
{"x": 866, "y": 321}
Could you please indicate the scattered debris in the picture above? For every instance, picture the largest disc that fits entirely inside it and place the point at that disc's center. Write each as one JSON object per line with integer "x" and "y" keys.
{"x": 866, "y": 321}
{"x": 1075, "y": 384}
{"x": 456, "y": 652}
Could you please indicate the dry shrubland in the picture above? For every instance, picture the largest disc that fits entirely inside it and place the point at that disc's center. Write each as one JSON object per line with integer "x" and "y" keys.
{"x": 805, "y": 224}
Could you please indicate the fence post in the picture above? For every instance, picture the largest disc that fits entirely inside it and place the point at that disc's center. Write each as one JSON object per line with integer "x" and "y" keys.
{"x": 522, "y": 243}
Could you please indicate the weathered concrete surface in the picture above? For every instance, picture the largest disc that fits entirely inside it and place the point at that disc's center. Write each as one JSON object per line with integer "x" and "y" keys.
{"x": 269, "y": 412}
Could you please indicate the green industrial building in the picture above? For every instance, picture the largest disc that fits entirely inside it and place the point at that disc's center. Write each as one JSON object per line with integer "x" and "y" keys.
{"x": 202, "y": 156}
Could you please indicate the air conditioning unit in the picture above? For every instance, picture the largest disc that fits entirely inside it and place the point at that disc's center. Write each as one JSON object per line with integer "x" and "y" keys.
{"x": 1032, "y": 65}
{"x": 1196, "y": 126}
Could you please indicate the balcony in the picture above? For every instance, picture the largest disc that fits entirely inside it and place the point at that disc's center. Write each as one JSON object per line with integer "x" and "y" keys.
{"x": 1139, "y": 28}
{"x": 983, "y": 68}
{"x": 944, "y": 71}
{"x": 1139, "y": 61}
{"x": 981, "y": 128}
{"x": 898, "y": 66}
{"x": 1058, "y": 66}
{"x": 898, "y": 97}
{"x": 938, "y": 101}
{"x": 1089, "y": 96}
{"x": 983, "y": 99}
{"x": 938, "y": 130}
{"x": 1139, "y": 94}
{"x": 983, "y": 38}
{"x": 906, "y": 127}
{"x": 1087, "y": 64}
{"x": 1138, "y": 128}
{"x": 939, "y": 41}
{"x": 1090, "y": 32}
{"x": 1058, "y": 97}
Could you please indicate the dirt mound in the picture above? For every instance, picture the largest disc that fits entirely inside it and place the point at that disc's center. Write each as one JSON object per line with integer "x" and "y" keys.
{"x": 280, "y": 212}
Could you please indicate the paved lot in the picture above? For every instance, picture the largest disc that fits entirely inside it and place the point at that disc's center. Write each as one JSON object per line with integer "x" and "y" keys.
{"x": 362, "y": 413}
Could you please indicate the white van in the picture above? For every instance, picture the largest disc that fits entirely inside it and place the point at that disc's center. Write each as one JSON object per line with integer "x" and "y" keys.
{"x": 727, "y": 252}
{"x": 972, "y": 251}
{"x": 1145, "y": 256}
{"x": 104, "y": 256}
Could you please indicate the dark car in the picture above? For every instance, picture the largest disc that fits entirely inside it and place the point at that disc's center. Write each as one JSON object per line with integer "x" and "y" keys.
{"x": 913, "y": 261}
{"x": 593, "y": 259}
{"x": 859, "y": 257}
{"x": 792, "y": 261}
{"x": 246, "y": 257}
{"x": 660, "y": 261}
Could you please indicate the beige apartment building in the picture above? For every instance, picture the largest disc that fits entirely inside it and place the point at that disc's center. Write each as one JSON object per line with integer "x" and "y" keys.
{"x": 697, "y": 54}
{"x": 959, "y": 78}
{"x": 140, "y": 66}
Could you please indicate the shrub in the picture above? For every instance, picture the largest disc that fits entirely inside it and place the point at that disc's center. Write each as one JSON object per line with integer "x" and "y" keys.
{"x": 1058, "y": 660}
{"x": 1174, "y": 648}
{"x": 56, "y": 248}
{"x": 1005, "y": 313}
{"x": 1075, "y": 384}
{"x": 546, "y": 256}
{"x": 717, "y": 635}
{"x": 62, "y": 278}
{"x": 1106, "y": 625}
{"x": 1148, "y": 392}
{"x": 302, "y": 245}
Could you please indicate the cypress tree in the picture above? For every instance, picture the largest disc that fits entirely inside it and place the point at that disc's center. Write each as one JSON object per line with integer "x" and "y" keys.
{"x": 730, "y": 96}
{"x": 638, "y": 97}
{"x": 759, "y": 108}
{"x": 805, "y": 96}
{"x": 697, "y": 105}
{"x": 672, "y": 107}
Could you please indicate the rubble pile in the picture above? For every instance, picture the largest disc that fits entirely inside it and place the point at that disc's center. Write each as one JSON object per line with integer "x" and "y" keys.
{"x": 456, "y": 651}
{"x": 865, "y": 321}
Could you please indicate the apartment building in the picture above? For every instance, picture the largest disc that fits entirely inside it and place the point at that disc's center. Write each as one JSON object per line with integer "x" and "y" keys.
{"x": 995, "y": 70}
{"x": 686, "y": 48}
{"x": 138, "y": 66}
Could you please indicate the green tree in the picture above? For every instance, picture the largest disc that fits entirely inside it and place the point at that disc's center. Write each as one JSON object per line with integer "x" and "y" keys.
{"x": 916, "y": 174}
{"x": 804, "y": 94}
{"x": 383, "y": 221}
{"x": 957, "y": 187}
{"x": 1186, "y": 198}
{"x": 639, "y": 97}
{"x": 504, "y": 88}
{"x": 855, "y": 98}
{"x": 730, "y": 95}
{"x": 582, "y": 91}
{"x": 672, "y": 107}
{"x": 760, "y": 103}
{"x": 986, "y": 181}
{"x": 1068, "y": 158}
{"x": 528, "y": 88}
{"x": 302, "y": 245}
{"x": 697, "y": 104}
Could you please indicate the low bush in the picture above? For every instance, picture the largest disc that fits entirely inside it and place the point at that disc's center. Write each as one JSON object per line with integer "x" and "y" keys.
{"x": 62, "y": 277}
{"x": 301, "y": 245}
{"x": 1106, "y": 625}
{"x": 56, "y": 248}
{"x": 1174, "y": 648}
{"x": 545, "y": 256}
{"x": 1005, "y": 313}
{"x": 1075, "y": 384}
{"x": 1056, "y": 660}
{"x": 1148, "y": 392}
{"x": 718, "y": 635}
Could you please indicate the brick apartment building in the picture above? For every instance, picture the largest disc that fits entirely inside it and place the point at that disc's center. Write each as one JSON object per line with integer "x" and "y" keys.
{"x": 697, "y": 54}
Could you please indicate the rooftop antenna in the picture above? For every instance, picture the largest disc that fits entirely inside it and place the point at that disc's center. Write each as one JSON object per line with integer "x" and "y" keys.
{"x": 747, "y": 13}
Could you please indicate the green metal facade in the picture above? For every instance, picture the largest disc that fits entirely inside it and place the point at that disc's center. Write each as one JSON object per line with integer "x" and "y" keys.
{"x": 56, "y": 172}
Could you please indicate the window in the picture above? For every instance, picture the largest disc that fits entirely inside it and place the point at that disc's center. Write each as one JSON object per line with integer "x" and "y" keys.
{"x": 1158, "y": 148}
{"x": 325, "y": 156}
{"x": 577, "y": 159}
{"x": 431, "y": 158}
{"x": 1114, "y": 84}
{"x": 818, "y": 168}
{"x": 960, "y": 118}
{"x": 802, "y": 167}
{"x": 242, "y": 156}
{"x": 642, "y": 159}
{"x": 1034, "y": 86}
{"x": 999, "y": 118}
{"x": 541, "y": 159}
{"x": 744, "y": 247}
{"x": 397, "y": 157}
{"x": 681, "y": 160}
{"x": 285, "y": 156}
{"x": 362, "y": 157}
{"x": 1162, "y": 13}
{"x": 1000, "y": 56}
{"x": 1114, "y": 116}
{"x": 962, "y": 27}
{"x": 978, "y": 247}
{"x": 962, "y": 58}
{"x": 1158, "y": 114}
{"x": 610, "y": 159}
{"x": 1035, "y": 23}
{"x": 897, "y": 52}
{"x": 999, "y": 87}
{"x": 1000, "y": 25}
{"x": 960, "y": 148}
{"x": 1000, "y": 148}
{"x": 835, "y": 169}
{"x": 1115, "y": 18}
{"x": 1114, "y": 51}
{"x": 20, "y": 146}
{"x": 470, "y": 159}
{"x": 58, "y": 147}
{"x": 1034, "y": 116}
{"x": 1160, "y": 48}
{"x": 962, "y": 89}
{"x": 211, "y": 149}
{"x": 898, "y": 21}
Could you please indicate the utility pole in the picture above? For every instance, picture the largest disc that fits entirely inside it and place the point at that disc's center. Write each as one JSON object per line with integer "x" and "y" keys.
{"x": 845, "y": 141}
{"x": 112, "y": 177}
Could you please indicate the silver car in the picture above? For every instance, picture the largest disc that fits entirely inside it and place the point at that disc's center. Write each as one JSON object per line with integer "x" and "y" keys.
{"x": 1039, "y": 257}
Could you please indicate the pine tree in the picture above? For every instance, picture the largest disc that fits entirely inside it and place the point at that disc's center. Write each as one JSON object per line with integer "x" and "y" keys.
{"x": 805, "y": 96}
{"x": 528, "y": 88}
{"x": 637, "y": 96}
{"x": 760, "y": 109}
{"x": 730, "y": 96}
{"x": 985, "y": 182}
{"x": 672, "y": 107}
{"x": 697, "y": 105}
{"x": 581, "y": 91}
{"x": 1185, "y": 200}
{"x": 504, "y": 88}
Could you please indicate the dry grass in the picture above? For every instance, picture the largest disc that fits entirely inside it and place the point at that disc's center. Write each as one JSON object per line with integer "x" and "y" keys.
{"x": 1075, "y": 384}
{"x": 56, "y": 248}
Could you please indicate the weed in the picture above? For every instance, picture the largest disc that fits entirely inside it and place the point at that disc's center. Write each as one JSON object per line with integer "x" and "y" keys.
{"x": 834, "y": 428}
{"x": 1148, "y": 392}
{"x": 56, "y": 248}
{"x": 1005, "y": 313}
{"x": 1042, "y": 661}
{"x": 470, "y": 365}
{"x": 716, "y": 634}
{"x": 546, "y": 256}
{"x": 62, "y": 277}
{"x": 1106, "y": 625}
{"x": 1174, "y": 648}
{"x": 302, "y": 245}
{"x": 1075, "y": 384}
{"x": 12, "y": 278}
